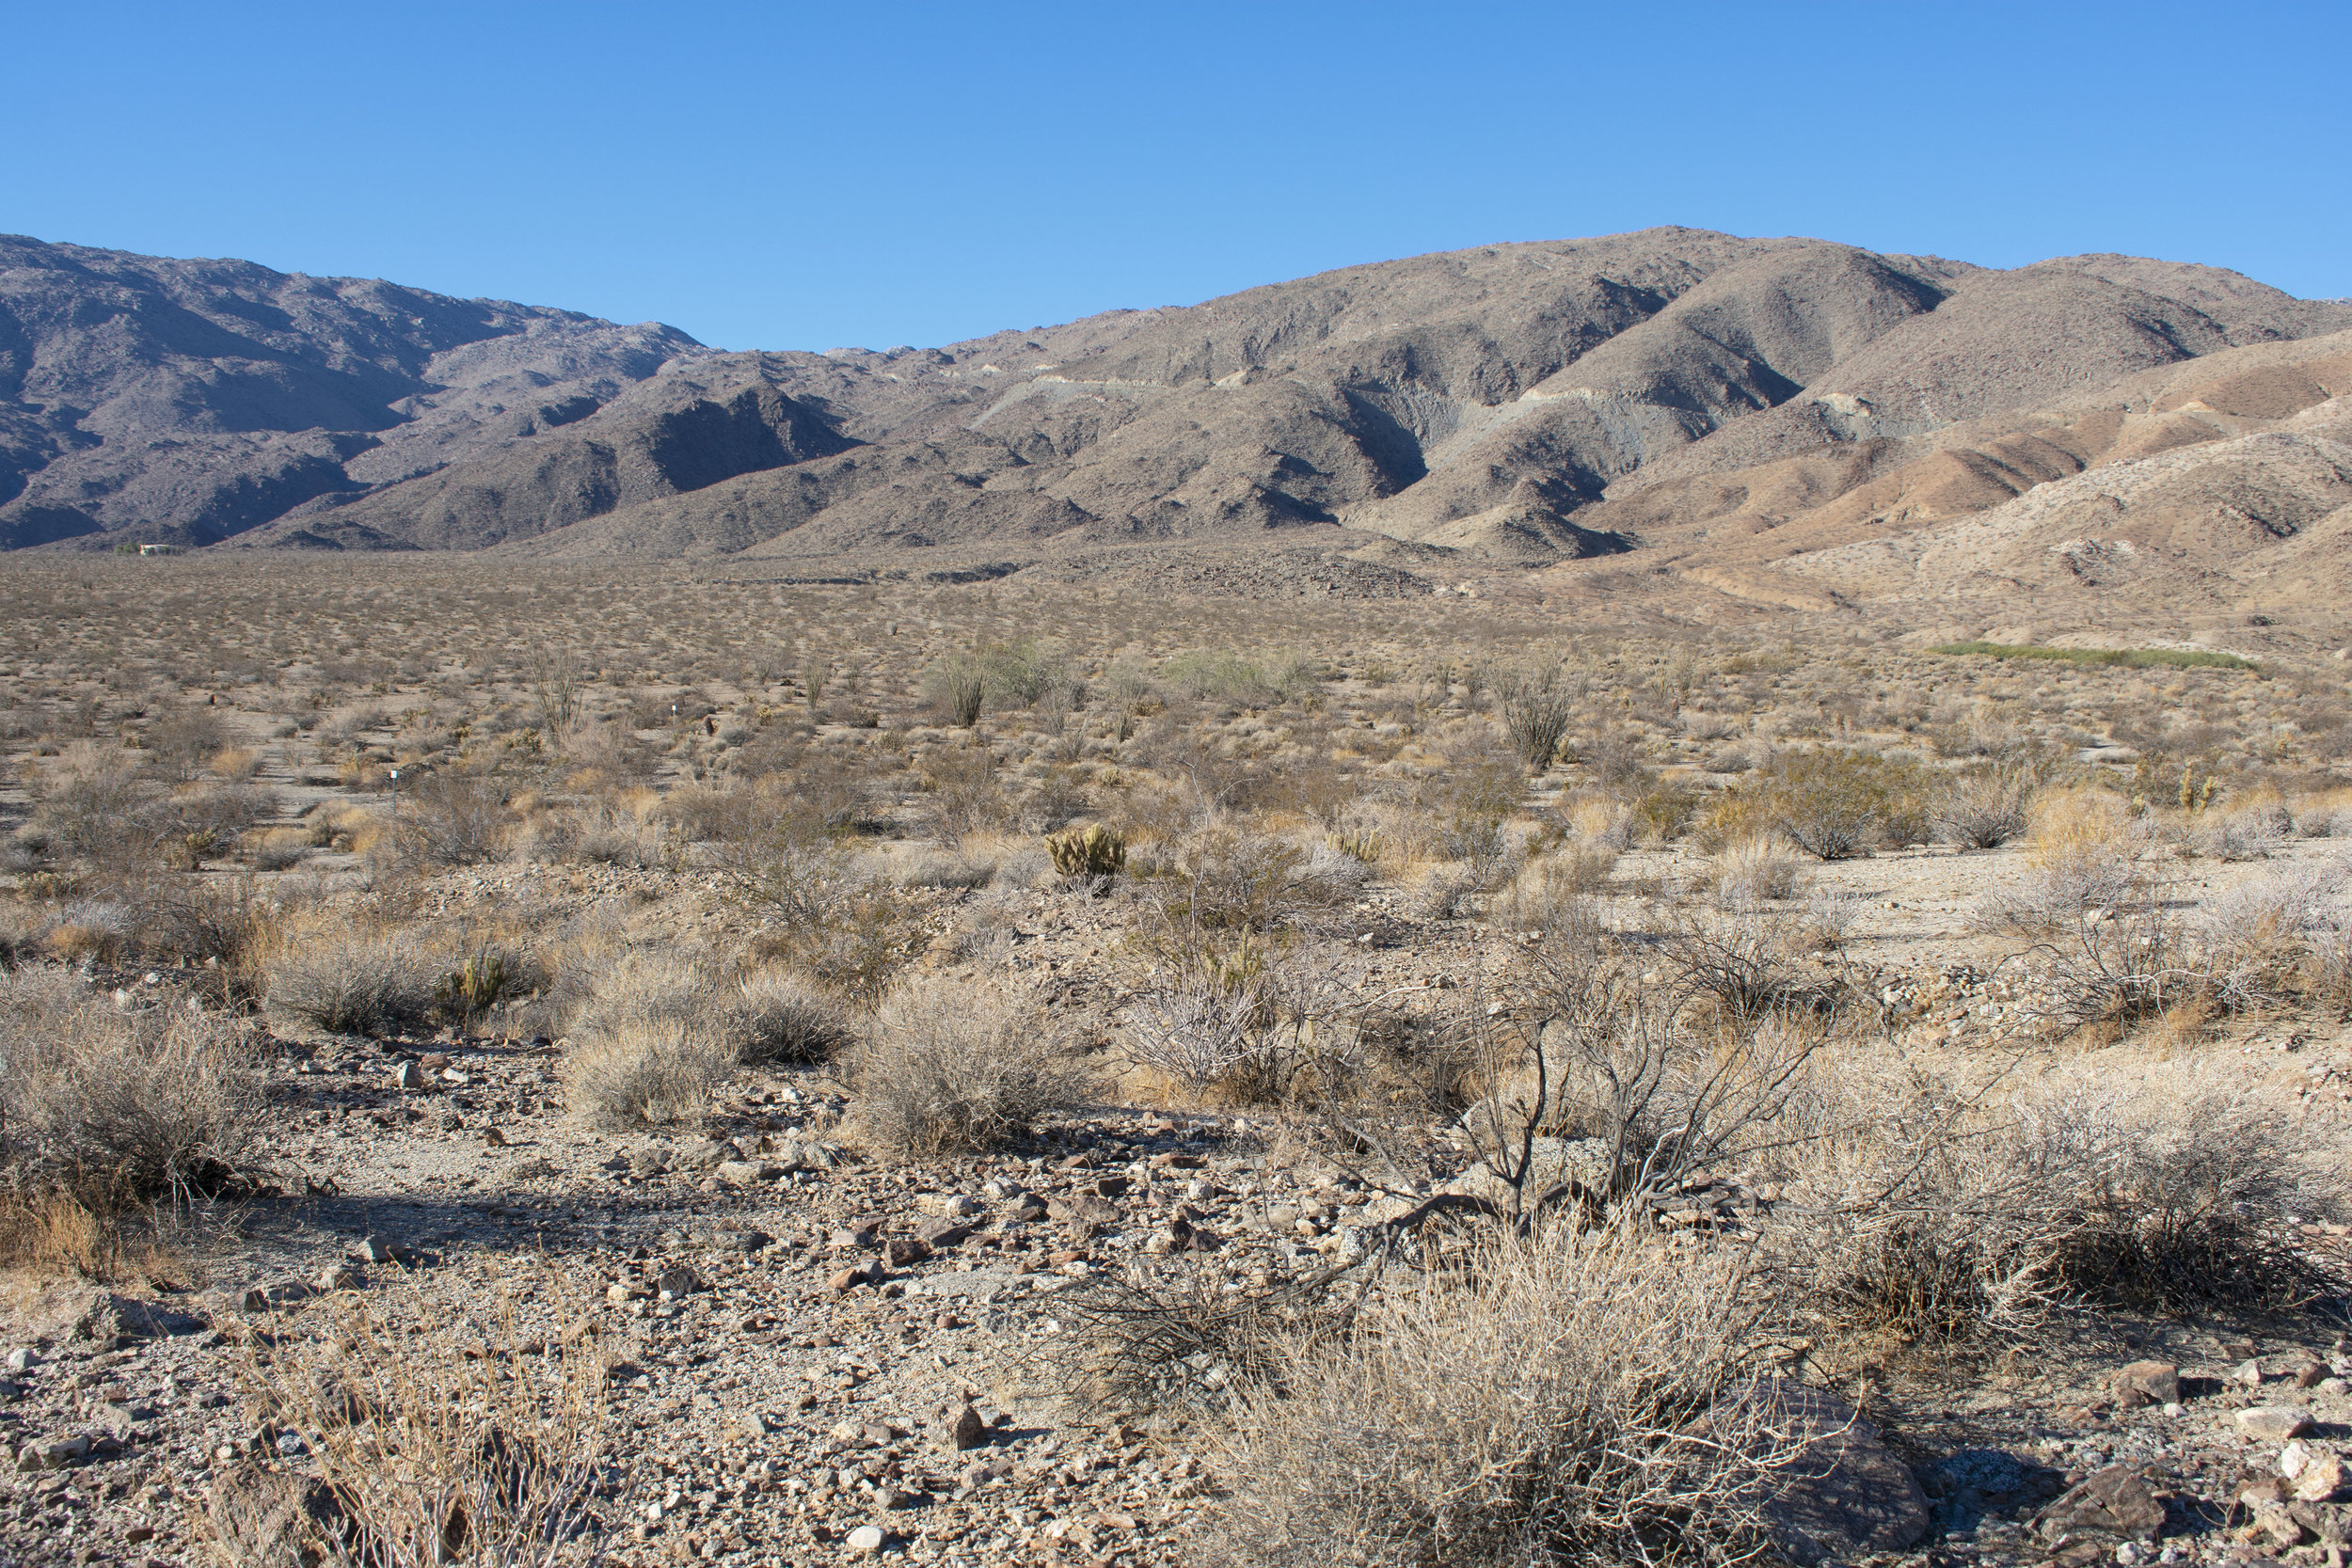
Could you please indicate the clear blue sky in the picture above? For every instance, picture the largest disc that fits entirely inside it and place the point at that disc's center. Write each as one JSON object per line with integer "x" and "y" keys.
{"x": 789, "y": 176}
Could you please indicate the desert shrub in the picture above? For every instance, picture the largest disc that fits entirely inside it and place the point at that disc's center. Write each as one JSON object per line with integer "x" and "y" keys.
{"x": 1096, "y": 852}
{"x": 1229, "y": 677}
{"x": 645, "y": 1070}
{"x": 2087, "y": 852}
{"x": 113, "y": 1107}
{"x": 1224, "y": 880}
{"x": 966, "y": 798}
{"x": 781, "y": 1016}
{"x": 1751, "y": 958}
{"x": 948, "y": 1068}
{"x": 1541, "y": 1405}
{"x": 2253, "y": 832}
{"x": 1533, "y": 899}
{"x": 1983, "y": 808}
{"x": 600, "y": 835}
{"x": 1605, "y": 820}
{"x": 1659, "y": 813}
{"x": 345, "y": 980}
{"x": 1237, "y": 1022}
{"x": 93, "y": 805}
{"x": 957, "y": 688}
{"x": 420, "y": 1447}
{"x": 1025, "y": 673}
{"x": 1537, "y": 709}
{"x": 456, "y": 819}
{"x": 1937, "y": 1213}
{"x": 1757, "y": 867}
{"x": 963, "y": 867}
{"x": 226, "y": 929}
{"x": 1833, "y": 804}
{"x": 181, "y": 740}
{"x": 1734, "y": 817}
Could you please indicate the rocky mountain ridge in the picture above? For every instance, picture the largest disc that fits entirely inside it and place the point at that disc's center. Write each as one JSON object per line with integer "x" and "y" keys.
{"x": 1754, "y": 411}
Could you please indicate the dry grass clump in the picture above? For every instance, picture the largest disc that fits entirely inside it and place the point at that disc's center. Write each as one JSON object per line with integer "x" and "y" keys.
{"x": 1565, "y": 1397}
{"x": 339, "y": 977}
{"x": 421, "y": 1446}
{"x": 651, "y": 1040}
{"x": 1759, "y": 866}
{"x": 948, "y": 1068}
{"x": 113, "y": 1107}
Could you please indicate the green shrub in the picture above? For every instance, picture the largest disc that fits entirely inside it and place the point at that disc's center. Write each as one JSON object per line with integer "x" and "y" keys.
{"x": 1833, "y": 804}
{"x": 2135, "y": 658}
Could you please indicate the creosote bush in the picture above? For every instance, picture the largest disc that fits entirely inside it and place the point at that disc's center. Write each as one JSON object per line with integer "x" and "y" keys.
{"x": 1833, "y": 804}
{"x": 947, "y": 1067}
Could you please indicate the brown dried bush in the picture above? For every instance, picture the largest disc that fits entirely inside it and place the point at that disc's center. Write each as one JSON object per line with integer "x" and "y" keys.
{"x": 113, "y": 1107}
{"x": 1568, "y": 1395}
{"x": 948, "y": 1068}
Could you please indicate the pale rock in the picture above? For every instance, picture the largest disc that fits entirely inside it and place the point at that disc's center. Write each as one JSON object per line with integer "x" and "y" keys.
{"x": 2274, "y": 1423}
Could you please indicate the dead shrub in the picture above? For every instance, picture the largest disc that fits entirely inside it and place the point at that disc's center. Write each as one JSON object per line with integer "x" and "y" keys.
{"x": 456, "y": 819}
{"x": 951, "y": 1069}
{"x": 966, "y": 798}
{"x": 1572, "y": 1396}
{"x": 1936, "y": 1214}
{"x": 114, "y": 1107}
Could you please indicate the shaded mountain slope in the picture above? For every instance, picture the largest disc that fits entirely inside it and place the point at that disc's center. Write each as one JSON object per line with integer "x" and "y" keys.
{"x": 192, "y": 400}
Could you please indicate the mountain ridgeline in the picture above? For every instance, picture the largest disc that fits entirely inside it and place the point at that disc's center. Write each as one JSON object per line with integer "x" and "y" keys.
{"x": 1731, "y": 403}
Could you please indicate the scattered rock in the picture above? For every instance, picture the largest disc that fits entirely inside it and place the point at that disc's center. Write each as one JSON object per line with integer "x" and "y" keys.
{"x": 2116, "y": 1502}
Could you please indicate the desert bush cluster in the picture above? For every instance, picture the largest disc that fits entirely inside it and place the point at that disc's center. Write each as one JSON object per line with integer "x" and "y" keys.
{"x": 1553, "y": 944}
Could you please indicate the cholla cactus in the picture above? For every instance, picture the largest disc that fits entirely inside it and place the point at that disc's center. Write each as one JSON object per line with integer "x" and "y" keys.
{"x": 1095, "y": 852}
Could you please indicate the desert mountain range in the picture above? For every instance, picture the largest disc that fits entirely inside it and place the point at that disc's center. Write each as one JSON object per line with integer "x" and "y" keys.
{"x": 1786, "y": 421}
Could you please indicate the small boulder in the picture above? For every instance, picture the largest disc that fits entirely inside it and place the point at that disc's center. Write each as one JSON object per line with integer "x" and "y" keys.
{"x": 2116, "y": 1502}
{"x": 2274, "y": 1423}
{"x": 2149, "y": 1382}
{"x": 941, "y": 1234}
{"x": 966, "y": 1430}
{"x": 866, "y": 1538}
{"x": 1846, "y": 1495}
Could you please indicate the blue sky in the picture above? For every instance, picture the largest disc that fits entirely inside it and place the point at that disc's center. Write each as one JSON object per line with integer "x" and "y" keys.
{"x": 789, "y": 176}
